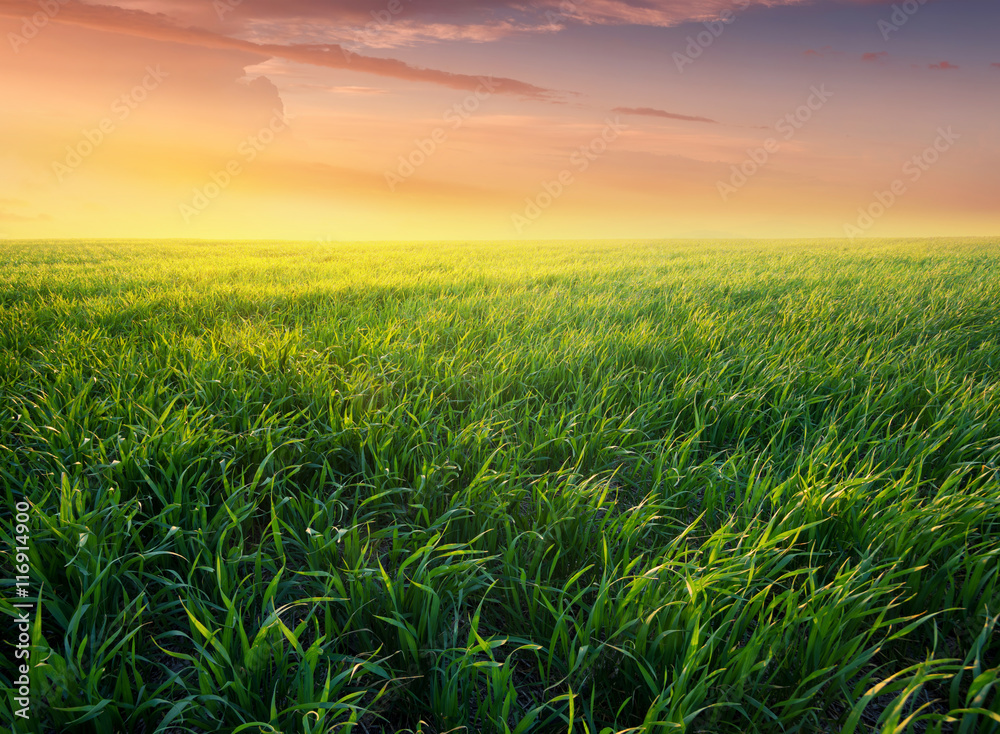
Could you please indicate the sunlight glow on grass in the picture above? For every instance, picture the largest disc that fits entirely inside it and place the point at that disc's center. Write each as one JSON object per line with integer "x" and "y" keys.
{"x": 513, "y": 487}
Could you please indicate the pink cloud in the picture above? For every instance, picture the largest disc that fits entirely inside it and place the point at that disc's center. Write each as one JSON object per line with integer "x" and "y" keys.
{"x": 873, "y": 57}
{"x": 650, "y": 112}
{"x": 825, "y": 51}
{"x": 514, "y": 14}
{"x": 945, "y": 66}
{"x": 160, "y": 28}
{"x": 395, "y": 23}
{"x": 388, "y": 24}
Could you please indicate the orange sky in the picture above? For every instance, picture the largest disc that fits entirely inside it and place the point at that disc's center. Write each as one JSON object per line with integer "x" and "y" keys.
{"x": 440, "y": 119}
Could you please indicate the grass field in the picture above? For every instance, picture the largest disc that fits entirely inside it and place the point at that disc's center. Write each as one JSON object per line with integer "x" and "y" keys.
{"x": 496, "y": 487}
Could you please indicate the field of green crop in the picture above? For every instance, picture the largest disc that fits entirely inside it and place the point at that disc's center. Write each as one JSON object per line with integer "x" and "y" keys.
{"x": 498, "y": 487}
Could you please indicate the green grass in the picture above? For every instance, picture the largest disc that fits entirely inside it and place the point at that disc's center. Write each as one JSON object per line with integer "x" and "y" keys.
{"x": 560, "y": 487}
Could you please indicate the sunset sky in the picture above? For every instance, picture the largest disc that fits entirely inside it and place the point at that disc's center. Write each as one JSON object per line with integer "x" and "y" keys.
{"x": 499, "y": 119}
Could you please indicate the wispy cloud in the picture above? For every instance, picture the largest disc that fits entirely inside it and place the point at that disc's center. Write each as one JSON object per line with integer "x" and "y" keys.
{"x": 433, "y": 21}
{"x": 651, "y": 112}
{"x": 160, "y": 27}
{"x": 825, "y": 51}
{"x": 873, "y": 57}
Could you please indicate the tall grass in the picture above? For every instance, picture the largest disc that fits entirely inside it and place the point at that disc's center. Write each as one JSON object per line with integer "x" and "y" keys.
{"x": 563, "y": 487}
